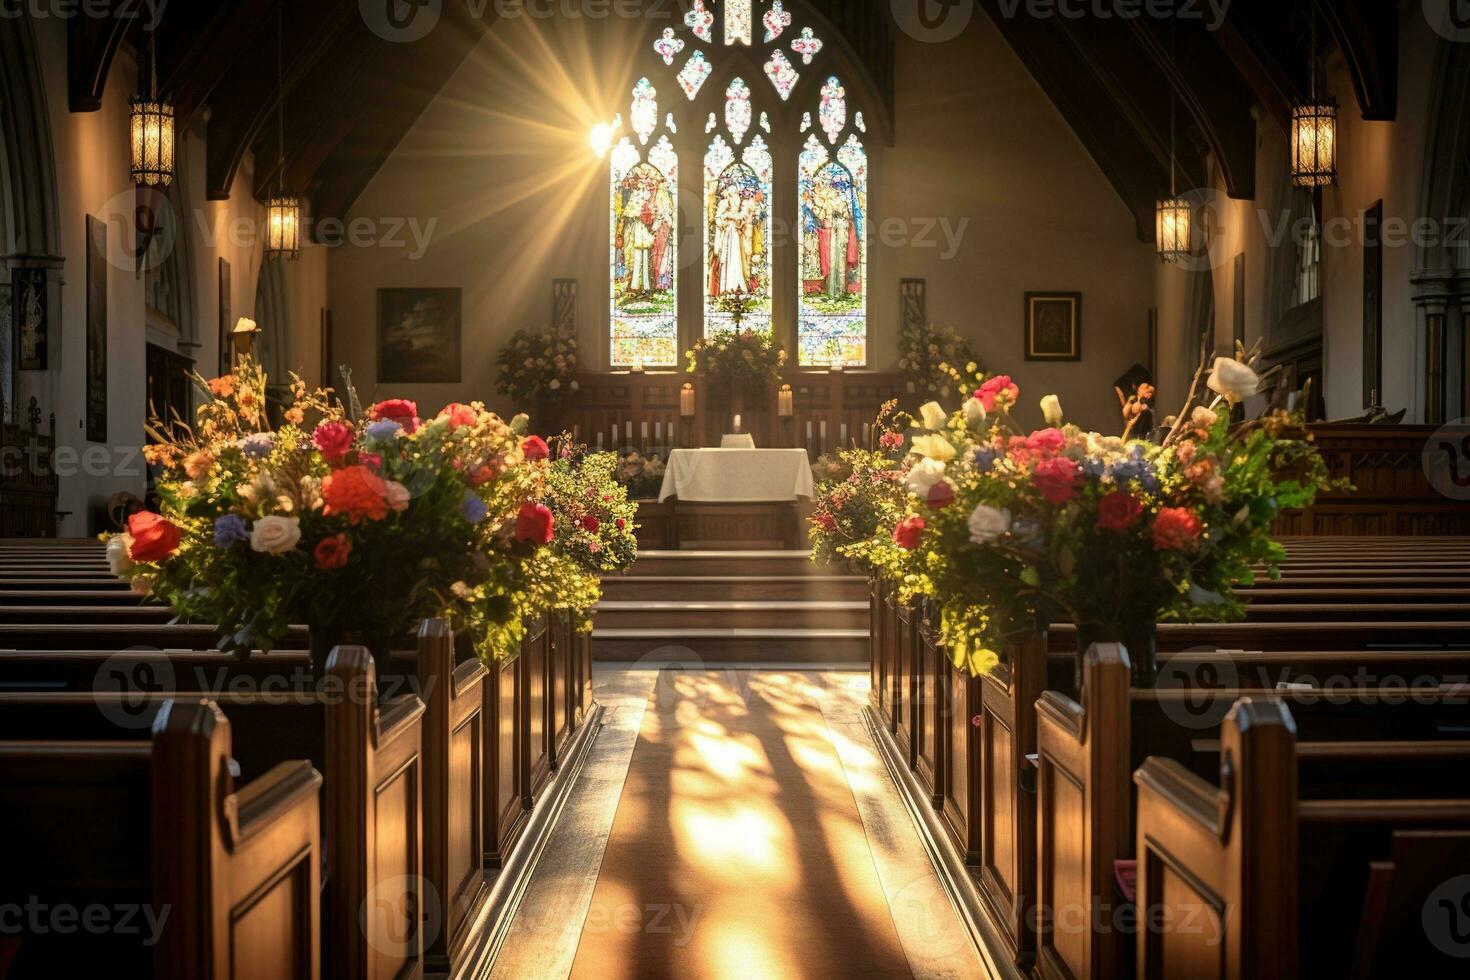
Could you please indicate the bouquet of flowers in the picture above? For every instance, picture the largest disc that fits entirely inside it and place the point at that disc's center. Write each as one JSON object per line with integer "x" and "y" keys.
{"x": 860, "y": 495}
{"x": 593, "y": 510}
{"x": 536, "y": 363}
{"x": 347, "y": 524}
{"x": 643, "y": 476}
{"x": 746, "y": 357}
{"x": 1009, "y": 529}
{"x": 933, "y": 357}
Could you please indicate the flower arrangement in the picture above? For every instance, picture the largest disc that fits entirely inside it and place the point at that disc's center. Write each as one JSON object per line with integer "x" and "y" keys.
{"x": 1008, "y": 528}
{"x": 931, "y": 355}
{"x": 536, "y": 363}
{"x": 746, "y": 357}
{"x": 854, "y": 505}
{"x": 642, "y": 476}
{"x": 347, "y": 524}
{"x": 593, "y": 509}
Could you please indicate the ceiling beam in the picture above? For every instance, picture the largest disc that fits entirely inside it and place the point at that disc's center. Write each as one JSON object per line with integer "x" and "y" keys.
{"x": 1367, "y": 33}
{"x": 91, "y": 44}
{"x": 200, "y": 44}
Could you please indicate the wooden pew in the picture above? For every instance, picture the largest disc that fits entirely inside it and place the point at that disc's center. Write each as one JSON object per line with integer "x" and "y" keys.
{"x": 1287, "y": 886}
{"x": 371, "y": 755}
{"x": 231, "y": 870}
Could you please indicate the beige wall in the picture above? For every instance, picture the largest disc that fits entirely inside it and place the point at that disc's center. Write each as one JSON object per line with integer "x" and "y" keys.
{"x": 986, "y": 193}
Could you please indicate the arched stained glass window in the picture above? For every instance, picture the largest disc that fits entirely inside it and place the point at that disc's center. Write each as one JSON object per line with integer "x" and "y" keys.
{"x": 832, "y": 196}
{"x": 644, "y": 189}
{"x": 737, "y": 223}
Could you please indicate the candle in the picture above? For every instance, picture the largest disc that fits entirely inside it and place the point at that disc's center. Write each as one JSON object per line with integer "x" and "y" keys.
{"x": 637, "y": 365}
{"x": 615, "y": 433}
{"x": 843, "y": 437}
{"x": 784, "y": 402}
{"x": 644, "y": 430}
{"x": 822, "y": 430}
{"x": 737, "y": 423}
{"x": 808, "y": 430}
{"x": 599, "y": 438}
{"x": 686, "y": 401}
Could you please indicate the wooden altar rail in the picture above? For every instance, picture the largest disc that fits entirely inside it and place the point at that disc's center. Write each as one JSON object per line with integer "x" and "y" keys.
{"x": 641, "y": 410}
{"x": 1008, "y": 774}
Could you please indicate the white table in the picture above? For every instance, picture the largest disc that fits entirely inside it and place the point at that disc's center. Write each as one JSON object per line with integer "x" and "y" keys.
{"x": 737, "y": 475}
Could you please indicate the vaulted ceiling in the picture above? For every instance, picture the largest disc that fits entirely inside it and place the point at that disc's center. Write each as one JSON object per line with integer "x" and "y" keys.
{"x": 352, "y": 92}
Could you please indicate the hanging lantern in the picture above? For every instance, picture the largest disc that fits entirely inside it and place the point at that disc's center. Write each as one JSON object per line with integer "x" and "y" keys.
{"x": 283, "y": 228}
{"x": 153, "y": 141}
{"x": 1172, "y": 228}
{"x": 1314, "y": 143}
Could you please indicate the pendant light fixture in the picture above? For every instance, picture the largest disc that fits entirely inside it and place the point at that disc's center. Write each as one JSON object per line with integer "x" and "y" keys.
{"x": 283, "y": 211}
{"x": 1314, "y": 131}
{"x": 152, "y": 132}
{"x": 1172, "y": 214}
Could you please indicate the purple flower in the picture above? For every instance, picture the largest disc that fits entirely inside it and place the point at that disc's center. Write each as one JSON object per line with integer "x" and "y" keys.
{"x": 983, "y": 460}
{"x": 383, "y": 430}
{"x": 229, "y": 529}
{"x": 259, "y": 445}
{"x": 473, "y": 508}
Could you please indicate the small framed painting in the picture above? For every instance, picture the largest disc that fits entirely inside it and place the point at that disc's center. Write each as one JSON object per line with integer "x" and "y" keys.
{"x": 226, "y": 353}
{"x": 418, "y": 335}
{"x": 96, "y": 358}
{"x": 1053, "y": 326}
{"x": 31, "y": 314}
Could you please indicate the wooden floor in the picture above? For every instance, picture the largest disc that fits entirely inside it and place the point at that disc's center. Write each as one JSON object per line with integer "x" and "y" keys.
{"x": 568, "y": 907}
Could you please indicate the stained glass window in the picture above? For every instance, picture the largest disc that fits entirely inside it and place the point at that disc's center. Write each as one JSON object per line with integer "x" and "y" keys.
{"x": 807, "y": 45}
{"x": 781, "y": 74}
{"x": 737, "y": 233}
{"x": 700, "y": 20}
{"x": 833, "y": 111}
{"x": 777, "y": 19}
{"x": 832, "y": 221}
{"x": 693, "y": 74}
{"x": 643, "y": 261}
{"x": 737, "y": 109}
{"x": 668, "y": 45}
{"x": 644, "y": 112}
{"x": 737, "y": 21}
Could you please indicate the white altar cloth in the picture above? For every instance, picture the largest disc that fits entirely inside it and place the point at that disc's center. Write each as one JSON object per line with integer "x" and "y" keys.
{"x": 744, "y": 475}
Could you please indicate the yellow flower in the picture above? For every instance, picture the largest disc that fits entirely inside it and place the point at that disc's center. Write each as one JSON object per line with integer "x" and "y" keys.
{"x": 934, "y": 447}
{"x": 983, "y": 661}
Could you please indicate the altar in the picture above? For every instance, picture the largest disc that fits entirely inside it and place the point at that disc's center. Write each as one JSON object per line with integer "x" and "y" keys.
{"x": 731, "y": 499}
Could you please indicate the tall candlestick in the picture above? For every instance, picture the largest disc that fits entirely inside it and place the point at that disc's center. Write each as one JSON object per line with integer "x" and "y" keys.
{"x": 843, "y": 437}
{"x": 644, "y": 430}
{"x": 822, "y": 430}
{"x": 808, "y": 430}
{"x": 686, "y": 401}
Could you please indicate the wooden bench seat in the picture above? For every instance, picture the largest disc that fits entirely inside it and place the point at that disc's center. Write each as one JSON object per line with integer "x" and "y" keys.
{"x": 228, "y": 870}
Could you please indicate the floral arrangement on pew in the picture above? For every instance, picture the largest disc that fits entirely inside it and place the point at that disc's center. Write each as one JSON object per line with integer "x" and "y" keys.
{"x": 1009, "y": 529}
{"x": 928, "y": 354}
{"x": 642, "y": 476}
{"x": 597, "y": 523}
{"x": 536, "y": 363}
{"x": 345, "y": 523}
{"x": 860, "y": 495}
{"x": 743, "y": 358}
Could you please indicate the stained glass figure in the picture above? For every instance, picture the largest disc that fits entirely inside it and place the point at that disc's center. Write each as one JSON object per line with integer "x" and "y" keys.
{"x": 781, "y": 74}
{"x": 737, "y": 232}
{"x": 832, "y": 203}
{"x": 643, "y": 255}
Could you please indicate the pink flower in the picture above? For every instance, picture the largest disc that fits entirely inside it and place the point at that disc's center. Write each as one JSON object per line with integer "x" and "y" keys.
{"x": 399, "y": 410}
{"x": 998, "y": 391}
{"x": 1176, "y": 529}
{"x": 396, "y": 494}
{"x": 590, "y": 523}
{"x": 891, "y": 440}
{"x": 1117, "y": 511}
{"x": 1056, "y": 478}
{"x": 458, "y": 415}
{"x": 370, "y": 460}
{"x": 534, "y": 523}
{"x": 332, "y": 440}
{"x": 1046, "y": 442}
{"x": 908, "y": 532}
{"x": 534, "y": 448}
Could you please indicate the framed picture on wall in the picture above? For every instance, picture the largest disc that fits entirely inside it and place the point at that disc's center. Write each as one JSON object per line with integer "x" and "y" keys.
{"x": 913, "y": 307}
{"x": 329, "y": 356}
{"x": 226, "y": 323}
{"x": 418, "y": 336}
{"x": 32, "y": 316}
{"x": 96, "y": 330}
{"x": 1053, "y": 326}
{"x": 1373, "y": 305}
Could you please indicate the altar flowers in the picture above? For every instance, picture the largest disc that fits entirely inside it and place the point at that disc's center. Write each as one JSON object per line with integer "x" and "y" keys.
{"x": 356, "y": 523}
{"x": 1060, "y": 524}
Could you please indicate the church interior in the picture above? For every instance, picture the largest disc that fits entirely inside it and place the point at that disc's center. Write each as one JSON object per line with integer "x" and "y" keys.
{"x": 487, "y": 488}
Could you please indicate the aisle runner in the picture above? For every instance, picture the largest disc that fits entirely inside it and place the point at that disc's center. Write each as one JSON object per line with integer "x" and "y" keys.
{"x": 737, "y": 850}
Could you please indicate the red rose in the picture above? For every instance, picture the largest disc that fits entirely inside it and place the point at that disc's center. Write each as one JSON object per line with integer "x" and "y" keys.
{"x": 826, "y": 522}
{"x": 590, "y": 523}
{"x": 332, "y": 552}
{"x": 1046, "y": 442}
{"x": 999, "y": 389}
{"x": 908, "y": 533}
{"x": 399, "y": 410}
{"x": 620, "y": 523}
{"x": 1056, "y": 478}
{"x": 154, "y": 536}
{"x": 357, "y": 492}
{"x": 534, "y": 523}
{"x": 1176, "y": 529}
{"x": 534, "y": 448}
{"x": 332, "y": 440}
{"x": 458, "y": 415}
{"x": 941, "y": 495}
{"x": 1117, "y": 511}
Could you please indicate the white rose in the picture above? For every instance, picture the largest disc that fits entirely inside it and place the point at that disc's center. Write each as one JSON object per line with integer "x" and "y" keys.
{"x": 933, "y": 415}
{"x": 118, "y": 559}
{"x": 142, "y": 585}
{"x": 1051, "y": 410}
{"x": 975, "y": 414}
{"x": 396, "y": 494}
{"x": 275, "y": 535}
{"x": 934, "y": 447}
{"x": 987, "y": 523}
{"x": 1233, "y": 380}
{"x": 923, "y": 476}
